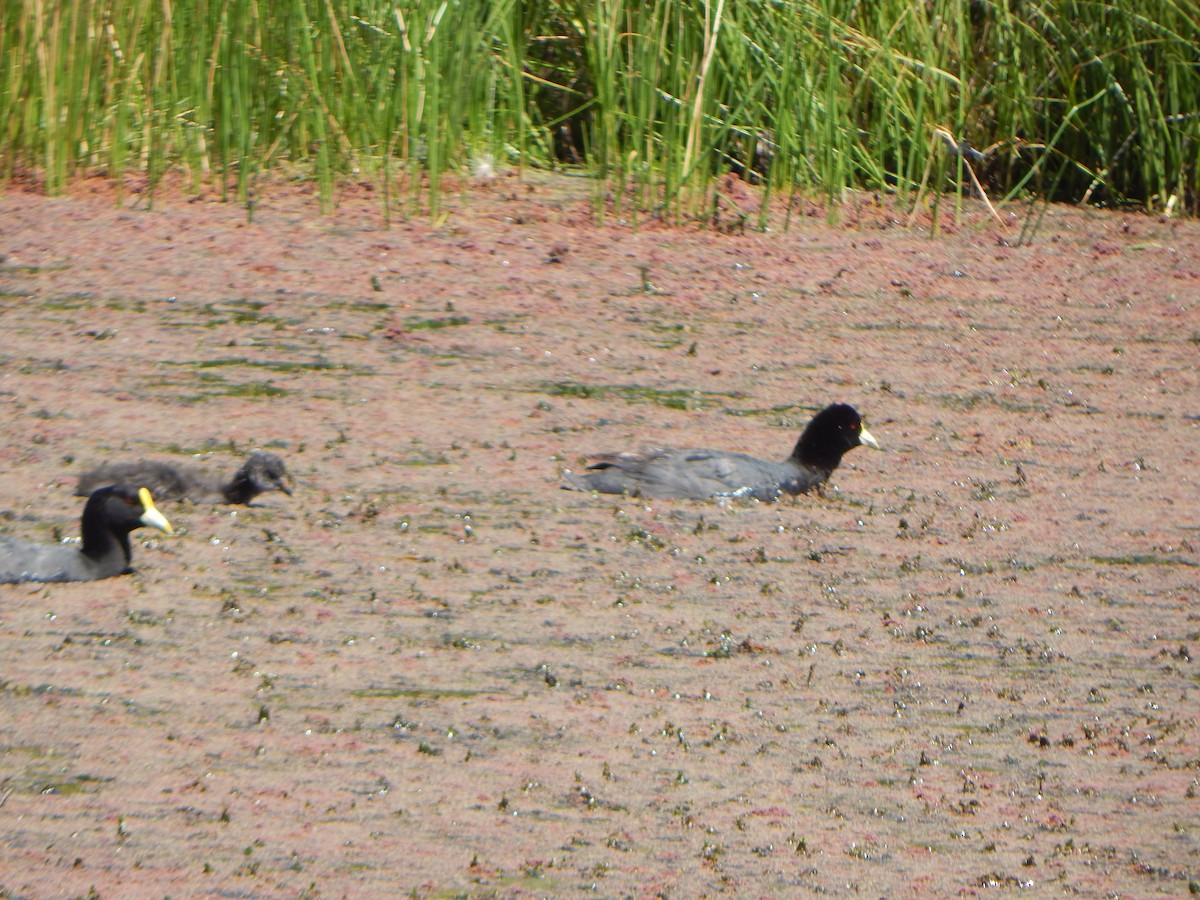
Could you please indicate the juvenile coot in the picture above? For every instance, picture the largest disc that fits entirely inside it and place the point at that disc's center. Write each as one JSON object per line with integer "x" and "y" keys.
{"x": 701, "y": 474}
{"x": 108, "y": 517}
{"x": 261, "y": 472}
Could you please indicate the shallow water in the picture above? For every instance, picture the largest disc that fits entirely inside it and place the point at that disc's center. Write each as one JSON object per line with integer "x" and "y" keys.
{"x": 967, "y": 665}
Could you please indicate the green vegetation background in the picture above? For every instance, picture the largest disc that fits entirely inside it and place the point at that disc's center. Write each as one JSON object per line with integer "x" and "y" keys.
{"x": 1078, "y": 101}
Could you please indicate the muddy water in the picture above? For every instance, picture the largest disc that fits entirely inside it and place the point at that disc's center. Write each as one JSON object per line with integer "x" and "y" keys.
{"x": 966, "y": 667}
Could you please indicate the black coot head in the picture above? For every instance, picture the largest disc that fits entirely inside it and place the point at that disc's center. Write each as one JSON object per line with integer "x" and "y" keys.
{"x": 833, "y": 432}
{"x": 118, "y": 510}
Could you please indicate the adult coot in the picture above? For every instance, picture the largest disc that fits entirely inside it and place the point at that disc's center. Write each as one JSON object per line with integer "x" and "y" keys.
{"x": 701, "y": 474}
{"x": 108, "y": 516}
{"x": 261, "y": 472}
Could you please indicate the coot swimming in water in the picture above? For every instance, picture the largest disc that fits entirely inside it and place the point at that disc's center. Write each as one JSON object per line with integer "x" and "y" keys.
{"x": 702, "y": 474}
{"x": 108, "y": 516}
{"x": 261, "y": 472}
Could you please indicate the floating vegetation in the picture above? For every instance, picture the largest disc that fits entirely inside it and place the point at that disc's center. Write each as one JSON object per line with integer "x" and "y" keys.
{"x": 240, "y": 312}
{"x": 970, "y": 401}
{"x": 1144, "y": 559}
{"x": 320, "y": 364}
{"x": 433, "y": 324}
{"x": 35, "y": 366}
{"x": 65, "y": 787}
{"x": 250, "y": 389}
{"x": 988, "y": 567}
{"x": 415, "y": 693}
{"x": 423, "y": 458}
{"x": 137, "y": 306}
{"x": 212, "y": 385}
{"x": 672, "y": 399}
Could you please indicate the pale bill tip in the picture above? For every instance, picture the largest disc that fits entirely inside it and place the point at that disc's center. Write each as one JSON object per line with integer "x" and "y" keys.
{"x": 150, "y": 514}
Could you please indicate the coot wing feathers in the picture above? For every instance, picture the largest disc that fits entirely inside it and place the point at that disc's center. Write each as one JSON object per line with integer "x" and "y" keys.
{"x": 696, "y": 474}
{"x": 29, "y": 561}
{"x": 163, "y": 480}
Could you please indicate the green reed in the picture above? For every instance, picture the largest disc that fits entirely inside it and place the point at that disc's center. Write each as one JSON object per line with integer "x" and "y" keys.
{"x": 1081, "y": 101}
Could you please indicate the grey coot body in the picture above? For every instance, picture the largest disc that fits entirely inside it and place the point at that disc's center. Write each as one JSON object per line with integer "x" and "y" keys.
{"x": 108, "y": 516}
{"x": 261, "y": 472}
{"x": 703, "y": 474}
